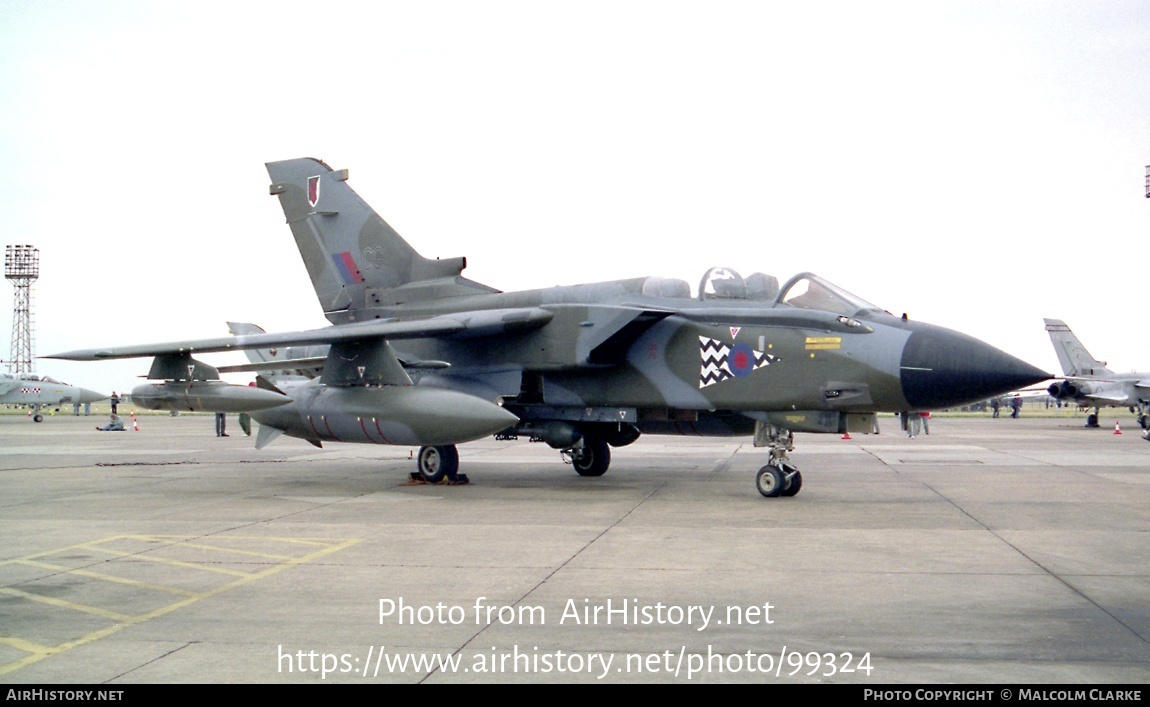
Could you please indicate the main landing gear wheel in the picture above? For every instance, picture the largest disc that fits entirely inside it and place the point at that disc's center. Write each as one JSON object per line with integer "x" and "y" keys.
{"x": 37, "y": 418}
{"x": 593, "y": 458}
{"x": 1144, "y": 422}
{"x": 437, "y": 463}
{"x": 1092, "y": 420}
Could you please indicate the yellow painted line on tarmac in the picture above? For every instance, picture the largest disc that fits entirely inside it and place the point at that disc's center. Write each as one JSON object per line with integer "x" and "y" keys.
{"x": 110, "y": 578}
{"x": 22, "y": 645}
{"x": 313, "y": 549}
{"x": 60, "y": 603}
{"x": 234, "y": 551}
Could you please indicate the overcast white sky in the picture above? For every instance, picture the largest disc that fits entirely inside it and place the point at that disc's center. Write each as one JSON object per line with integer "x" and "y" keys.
{"x": 978, "y": 165}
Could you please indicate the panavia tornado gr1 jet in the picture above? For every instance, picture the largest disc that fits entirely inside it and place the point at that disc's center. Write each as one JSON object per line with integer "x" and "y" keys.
{"x": 416, "y": 354}
{"x": 1089, "y": 383}
{"x": 41, "y": 391}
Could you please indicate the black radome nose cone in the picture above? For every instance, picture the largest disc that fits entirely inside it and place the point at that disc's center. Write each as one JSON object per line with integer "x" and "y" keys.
{"x": 943, "y": 368}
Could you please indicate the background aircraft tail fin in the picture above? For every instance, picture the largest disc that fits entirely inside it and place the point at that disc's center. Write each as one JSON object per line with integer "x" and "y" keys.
{"x": 1072, "y": 355}
{"x": 296, "y": 361}
{"x": 356, "y": 261}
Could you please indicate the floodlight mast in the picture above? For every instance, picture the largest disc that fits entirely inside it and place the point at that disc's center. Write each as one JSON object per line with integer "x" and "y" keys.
{"x": 22, "y": 267}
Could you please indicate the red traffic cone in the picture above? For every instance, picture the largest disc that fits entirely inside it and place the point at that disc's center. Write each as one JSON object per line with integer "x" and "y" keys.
{"x": 846, "y": 435}
{"x": 135, "y": 425}
{"x": 1117, "y": 429}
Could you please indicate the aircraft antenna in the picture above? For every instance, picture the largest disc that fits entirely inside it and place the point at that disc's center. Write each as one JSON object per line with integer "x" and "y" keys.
{"x": 1148, "y": 181}
{"x": 22, "y": 267}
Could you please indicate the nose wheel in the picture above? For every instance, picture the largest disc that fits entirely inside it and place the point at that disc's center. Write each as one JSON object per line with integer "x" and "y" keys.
{"x": 779, "y": 477}
{"x": 773, "y": 481}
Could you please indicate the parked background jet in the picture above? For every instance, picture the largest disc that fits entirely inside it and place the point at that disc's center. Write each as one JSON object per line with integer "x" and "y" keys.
{"x": 41, "y": 391}
{"x": 1090, "y": 383}
{"x": 416, "y": 354}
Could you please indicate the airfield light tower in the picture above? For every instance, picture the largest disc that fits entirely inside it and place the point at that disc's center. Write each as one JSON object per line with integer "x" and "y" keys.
{"x": 22, "y": 267}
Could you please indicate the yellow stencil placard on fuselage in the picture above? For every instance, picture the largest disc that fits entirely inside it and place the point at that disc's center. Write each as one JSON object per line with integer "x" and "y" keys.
{"x": 824, "y": 342}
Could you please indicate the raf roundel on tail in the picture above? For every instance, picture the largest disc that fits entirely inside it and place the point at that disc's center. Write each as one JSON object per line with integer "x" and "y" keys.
{"x": 416, "y": 354}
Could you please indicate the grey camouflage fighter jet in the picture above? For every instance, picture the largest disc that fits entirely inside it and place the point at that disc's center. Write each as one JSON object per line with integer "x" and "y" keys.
{"x": 38, "y": 392}
{"x": 1090, "y": 383}
{"x": 417, "y": 354}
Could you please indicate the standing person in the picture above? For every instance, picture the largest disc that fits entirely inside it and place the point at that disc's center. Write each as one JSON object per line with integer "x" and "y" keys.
{"x": 1016, "y": 405}
{"x": 221, "y": 424}
{"x": 913, "y": 423}
{"x": 925, "y": 422}
{"x": 115, "y": 403}
{"x": 994, "y": 406}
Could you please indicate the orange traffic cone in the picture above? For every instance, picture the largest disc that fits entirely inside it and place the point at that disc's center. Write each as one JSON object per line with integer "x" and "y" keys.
{"x": 1117, "y": 429}
{"x": 846, "y": 435}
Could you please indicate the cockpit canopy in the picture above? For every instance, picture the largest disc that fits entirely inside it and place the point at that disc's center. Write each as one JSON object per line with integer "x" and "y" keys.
{"x": 721, "y": 283}
{"x": 30, "y": 377}
{"x": 805, "y": 291}
{"x": 809, "y": 291}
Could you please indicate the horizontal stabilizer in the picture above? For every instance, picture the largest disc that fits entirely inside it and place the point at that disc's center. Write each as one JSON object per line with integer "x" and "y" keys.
{"x": 1116, "y": 397}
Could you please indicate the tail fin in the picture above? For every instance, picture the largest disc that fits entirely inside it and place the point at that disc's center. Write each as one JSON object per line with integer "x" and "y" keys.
{"x": 1075, "y": 359}
{"x": 356, "y": 261}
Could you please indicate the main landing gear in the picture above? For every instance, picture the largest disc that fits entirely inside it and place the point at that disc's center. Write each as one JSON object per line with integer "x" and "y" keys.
{"x": 779, "y": 477}
{"x": 436, "y": 464}
{"x": 590, "y": 457}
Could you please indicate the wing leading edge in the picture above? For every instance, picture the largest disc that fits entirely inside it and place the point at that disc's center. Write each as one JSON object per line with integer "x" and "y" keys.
{"x": 464, "y": 324}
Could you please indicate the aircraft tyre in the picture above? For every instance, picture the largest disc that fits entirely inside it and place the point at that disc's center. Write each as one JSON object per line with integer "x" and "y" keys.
{"x": 1144, "y": 422}
{"x": 770, "y": 481}
{"x": 593, "y": 459}
{"x": 438, "y": 463}
{"x": 37, "y": 418}
{"x": 793, "y": 478}
{"x": 1092, "y": 420}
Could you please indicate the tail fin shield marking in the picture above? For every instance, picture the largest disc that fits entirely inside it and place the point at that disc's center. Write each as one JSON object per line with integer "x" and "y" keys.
{"x": 313, "y": 190}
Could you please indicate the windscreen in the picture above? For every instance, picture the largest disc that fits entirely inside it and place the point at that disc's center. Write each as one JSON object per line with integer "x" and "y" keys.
{"x": 809, "y": 291}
